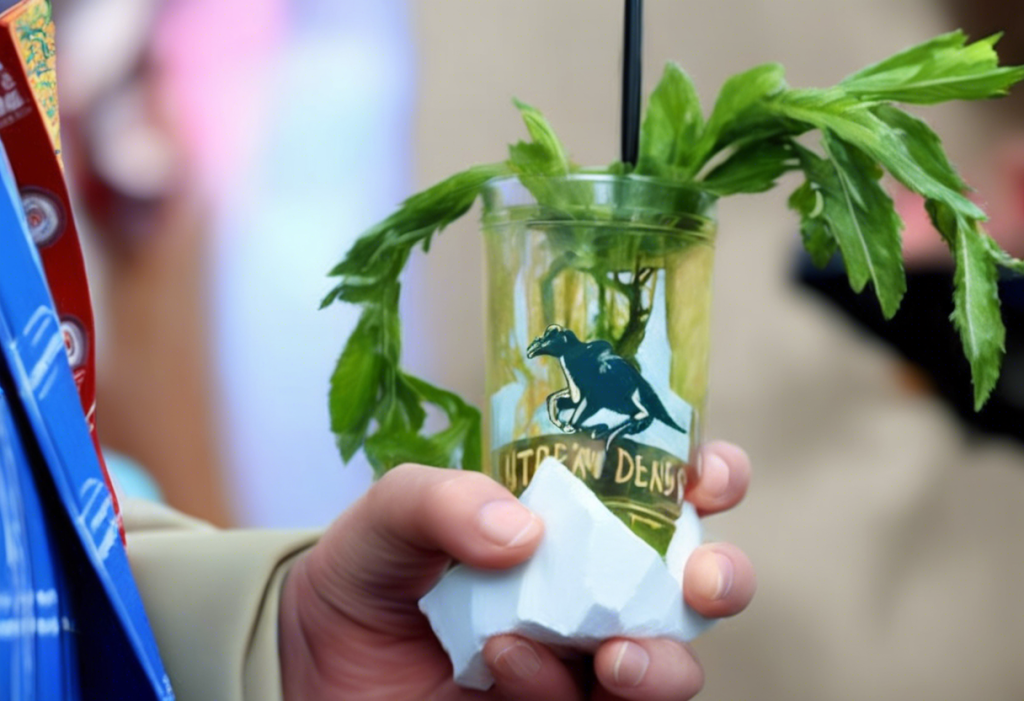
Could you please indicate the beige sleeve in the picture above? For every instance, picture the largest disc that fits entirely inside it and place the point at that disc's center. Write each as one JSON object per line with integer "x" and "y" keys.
{"x": 212, "y": 599}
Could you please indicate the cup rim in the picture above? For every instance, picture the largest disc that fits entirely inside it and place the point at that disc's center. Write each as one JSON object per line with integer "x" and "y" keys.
{"x": 510, "y": 192}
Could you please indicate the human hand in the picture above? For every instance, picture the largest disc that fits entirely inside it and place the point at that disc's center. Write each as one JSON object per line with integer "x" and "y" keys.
{"x": 351, "y": 628}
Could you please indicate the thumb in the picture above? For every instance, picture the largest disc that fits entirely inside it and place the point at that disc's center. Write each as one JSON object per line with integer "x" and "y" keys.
{"x": 396, "y": 541}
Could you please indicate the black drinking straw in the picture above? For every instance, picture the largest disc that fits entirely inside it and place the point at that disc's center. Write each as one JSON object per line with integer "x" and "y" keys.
{"x": 631, "y": 73}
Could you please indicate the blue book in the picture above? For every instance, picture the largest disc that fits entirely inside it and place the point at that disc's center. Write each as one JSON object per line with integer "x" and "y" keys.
{"x": 117, "y": 657}
{"x": 37, "y": 652}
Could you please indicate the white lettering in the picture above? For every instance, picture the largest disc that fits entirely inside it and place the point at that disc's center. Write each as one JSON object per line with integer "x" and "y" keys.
{"x": 13, "y": 100}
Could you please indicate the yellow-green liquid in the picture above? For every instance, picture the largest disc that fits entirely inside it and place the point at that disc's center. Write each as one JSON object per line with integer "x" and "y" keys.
{"x": 543, "y": 273}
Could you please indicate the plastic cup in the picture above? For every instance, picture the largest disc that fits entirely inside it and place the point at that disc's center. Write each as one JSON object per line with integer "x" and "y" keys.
{"x": 598, "y": 297}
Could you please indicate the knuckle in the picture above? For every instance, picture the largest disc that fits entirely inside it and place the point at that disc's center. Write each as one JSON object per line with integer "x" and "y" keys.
{"x": 460, "y": 488}
{"x": 404, "y": 471}
{"x": 392, "y": 483}
{"x": 429, "y": 493}
{"x": 449, "y": 490}
{"x": 400, "y": 477}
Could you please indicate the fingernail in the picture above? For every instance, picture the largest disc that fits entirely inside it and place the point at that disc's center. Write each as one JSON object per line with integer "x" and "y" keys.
{"x": 725, "y": 575}
{"x": 714, "y": 479}
{"x": 630, "y": 664}
{"x": 506, "y": 522}
{"x": 517, "y": 661}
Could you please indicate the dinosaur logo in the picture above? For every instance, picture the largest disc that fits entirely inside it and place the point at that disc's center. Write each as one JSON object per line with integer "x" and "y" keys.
{"x": 598, "y": 379}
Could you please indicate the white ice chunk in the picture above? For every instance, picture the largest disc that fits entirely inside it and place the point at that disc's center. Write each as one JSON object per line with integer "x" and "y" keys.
{"x": 590, "y": 579}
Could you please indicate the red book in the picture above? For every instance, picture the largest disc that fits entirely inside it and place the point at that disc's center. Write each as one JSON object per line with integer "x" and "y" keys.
{"x": 30, "y": 131}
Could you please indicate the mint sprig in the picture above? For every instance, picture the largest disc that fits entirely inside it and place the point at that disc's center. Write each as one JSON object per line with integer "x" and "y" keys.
{"x": 374, "y": 405}
{"x": 939, "y": 70}
{"x": 745, "y": 145}
{"x": 671, "y": 128}
{"x": 976, "y": 313}
{"x": 860, "y": 217}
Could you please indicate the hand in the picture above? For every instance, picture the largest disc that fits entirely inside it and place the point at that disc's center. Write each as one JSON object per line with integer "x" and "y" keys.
{"x": 351, "y": 629}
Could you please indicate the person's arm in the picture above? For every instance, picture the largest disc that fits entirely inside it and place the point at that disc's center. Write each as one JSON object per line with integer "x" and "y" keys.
{"x": 212, "y": 600}
{"x": 266, "y": 615}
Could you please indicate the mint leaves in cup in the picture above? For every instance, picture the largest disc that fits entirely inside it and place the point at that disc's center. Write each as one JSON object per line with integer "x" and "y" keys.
{"x": 750, "y": 138}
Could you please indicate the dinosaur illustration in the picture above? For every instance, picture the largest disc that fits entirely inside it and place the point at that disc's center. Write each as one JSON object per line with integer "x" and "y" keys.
{"x": 598, "y": 379}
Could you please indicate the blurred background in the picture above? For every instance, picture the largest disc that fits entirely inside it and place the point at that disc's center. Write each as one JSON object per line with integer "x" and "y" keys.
{"x": 225, "y": 154}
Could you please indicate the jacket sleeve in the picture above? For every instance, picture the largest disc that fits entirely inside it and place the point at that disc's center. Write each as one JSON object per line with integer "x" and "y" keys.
{"x": 212, "y": 599}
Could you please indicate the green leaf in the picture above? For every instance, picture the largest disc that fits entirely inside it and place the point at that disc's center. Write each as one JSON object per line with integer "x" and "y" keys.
{"x": 739, "y": 114}
{"x": 368, "y": 393}
{"x": 923, "y": 145}
{"x": 532, "y": 159}
{"x": 671, "y": 126}
{"x": 411, "y": 403}
{"x": 357, "y": 291}
{"x": 854, "y": 123}
{"x": 1002, "y": 258}
{"x": 545, "y": 154}
{"x": 355, "y": 378}
{"x": 753, "y": 168}
{"x": 355, "y": 385}
{"x": 349, "y": 443}
{"x": 818, "y": 240}
{"x": 386, "y": 450}
{"x": 538, "y": 161}
{"x": 472, "y": 445}
{"x": 398, "y": 440}
{"x": 941, "y": 69}
{"x": 448, "y": 402}
{"x": 379, "y": 255}
{"x": 910, "y": 57}
{"x": 860, "y": 215}
{"x": 461, "y": 439}
{"x": 976, "y": 312}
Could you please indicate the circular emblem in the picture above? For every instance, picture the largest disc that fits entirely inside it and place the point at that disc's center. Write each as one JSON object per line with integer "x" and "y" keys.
{"x": 44, "y": 214}
{"x": 74, "y": 341}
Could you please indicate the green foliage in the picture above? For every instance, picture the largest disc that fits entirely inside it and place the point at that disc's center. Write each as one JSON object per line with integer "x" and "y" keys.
{"x": 854, "y": 122}
{"x": 739, "y": 115}
{"x": 842, "y": 206}
{"x": 860, "y": 217}
{"x": 809, "y": 203}
{"x": 923, "y": 145}
{"x": 942, "y": 69}
{"x": 544, "y": 155}
{"x": 374, "y": 404}
{"x": 746, "y": 144}
{"x": 752, "y": 168}
{"x": 671, "y": 126}
{"x": 975, "y": 297}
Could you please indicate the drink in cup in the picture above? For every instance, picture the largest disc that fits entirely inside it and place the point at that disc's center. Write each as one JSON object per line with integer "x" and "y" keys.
{"x": 598, "y": 319}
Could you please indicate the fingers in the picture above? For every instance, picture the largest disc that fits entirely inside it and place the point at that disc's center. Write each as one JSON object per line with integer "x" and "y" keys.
{"x": 464, "y": 514}
{"x": 527, "y": 671}
{"x": 651, "y": 670}
{"x": 718, "y": 580}
{"x": 723, "y": 478}
{"x": 394, "y": 542}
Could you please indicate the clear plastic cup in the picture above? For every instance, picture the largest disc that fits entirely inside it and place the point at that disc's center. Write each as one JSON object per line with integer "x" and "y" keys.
{"x": 599, "y": 295}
